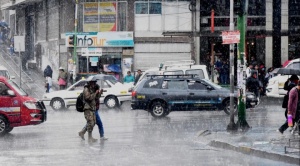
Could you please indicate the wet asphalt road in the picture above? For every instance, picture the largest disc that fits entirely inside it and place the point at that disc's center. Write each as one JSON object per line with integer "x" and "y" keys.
{"x": 135, "y": 138}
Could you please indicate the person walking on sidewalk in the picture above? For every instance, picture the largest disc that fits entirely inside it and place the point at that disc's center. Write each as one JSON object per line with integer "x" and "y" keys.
{"x": 48, "y": 71}
{"x": 48, "y": 84}
{"x": 90, "y": 95}
{"x": 137, "y": 77}
{"x": 292, "y": 107}
{"x": 62, "y": 78}
{"x": 98, "y": 119}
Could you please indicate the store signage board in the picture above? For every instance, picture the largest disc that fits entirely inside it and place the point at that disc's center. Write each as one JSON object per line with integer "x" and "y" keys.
{"x": 230, "y": 37}
{"x": 91, "y": 51}
{"x": 101, "y": 39}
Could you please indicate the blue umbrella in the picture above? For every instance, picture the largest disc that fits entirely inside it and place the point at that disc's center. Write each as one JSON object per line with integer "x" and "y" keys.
{"x": 114, "y": 68}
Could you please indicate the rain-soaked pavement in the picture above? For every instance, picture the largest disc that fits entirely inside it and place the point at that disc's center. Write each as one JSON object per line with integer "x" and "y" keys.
{"x": 135, "y": 138}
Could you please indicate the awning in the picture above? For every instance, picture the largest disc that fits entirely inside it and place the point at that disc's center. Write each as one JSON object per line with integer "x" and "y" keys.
{"x": 18, "y": 4}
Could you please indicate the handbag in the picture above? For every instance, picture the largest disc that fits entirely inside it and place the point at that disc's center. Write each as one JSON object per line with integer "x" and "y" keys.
{"x": 61, "y": 81}
{"x": 285, "y": 101}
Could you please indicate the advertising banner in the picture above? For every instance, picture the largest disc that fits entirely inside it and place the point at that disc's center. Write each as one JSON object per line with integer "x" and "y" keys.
{"x": 99, "y": 17}
{"x": 90, "y": 17}
{"x": 107, "y": 11}
{"x": 102, "y": 39}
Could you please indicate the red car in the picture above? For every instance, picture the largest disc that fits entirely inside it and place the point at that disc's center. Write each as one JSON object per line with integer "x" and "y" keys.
{"x": 17, "y": 108}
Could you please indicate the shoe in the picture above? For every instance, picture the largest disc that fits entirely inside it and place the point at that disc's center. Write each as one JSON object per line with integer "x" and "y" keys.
{"x": 103, "y": 138}
{"x": 279, "y": 131}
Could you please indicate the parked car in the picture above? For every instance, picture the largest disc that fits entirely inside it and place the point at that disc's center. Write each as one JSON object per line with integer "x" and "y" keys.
{"x": 177, "y": 68}
{"x": 162, "y": 94}
{"x": 113, "y": 96}
{"x": 17, "y": 108}
{"x": 4, "y": 72}
{"x": 276, "y": 84}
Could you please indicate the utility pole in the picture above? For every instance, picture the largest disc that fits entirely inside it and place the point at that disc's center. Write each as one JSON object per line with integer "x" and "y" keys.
{"x": 242, "y": 7}
{"x": 75, "y": 33}
{"x": 231, "y": 126}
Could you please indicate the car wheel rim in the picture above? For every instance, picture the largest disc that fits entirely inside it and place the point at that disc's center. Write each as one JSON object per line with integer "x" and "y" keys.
{"x": 57, "y": 104}
{"x": 111, "y": 103}
{"x": 228, "y": 107}
{"x": 2, "y": 126}
{"x": 158, "y": 110}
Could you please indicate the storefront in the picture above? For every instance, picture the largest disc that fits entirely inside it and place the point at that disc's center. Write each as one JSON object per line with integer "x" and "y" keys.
{"x": 101, "y": 52}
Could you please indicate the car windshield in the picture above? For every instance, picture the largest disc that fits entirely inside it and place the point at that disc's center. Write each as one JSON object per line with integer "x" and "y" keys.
{"x": 17, "y": 88}
{"x": 212, "y": 84}
{"x": 295, "y": 65}
{"x": 111, "y": 79}
{"x": 3, "y": 73}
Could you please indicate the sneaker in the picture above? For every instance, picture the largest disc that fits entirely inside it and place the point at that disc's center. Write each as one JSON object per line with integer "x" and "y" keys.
{"x": 103, "y": 138}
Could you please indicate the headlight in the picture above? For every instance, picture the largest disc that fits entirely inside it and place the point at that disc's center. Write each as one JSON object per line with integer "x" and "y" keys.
{"x": 30, "y": 105}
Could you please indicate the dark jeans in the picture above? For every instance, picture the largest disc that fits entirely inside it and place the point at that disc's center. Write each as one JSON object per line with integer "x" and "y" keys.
{"x": 285, "y": 125}
{"x": 224, "y": 78}
{"x": 62, "y": 87}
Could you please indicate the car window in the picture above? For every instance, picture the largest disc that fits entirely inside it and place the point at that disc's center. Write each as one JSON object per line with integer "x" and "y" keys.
{"x": 196, "y": 85}
{"x": 199, "y": 72}
{"x": 155, "y": 84}
{"x": 3, "y": 89}
{"x": 295, "y": 65}
{"x": 80, "y": 85}
{"x": 4, "y": 73}
{"x": 105, "y": 84}
{"x": 174, "y": 84}
{"x": 111, "y": 79}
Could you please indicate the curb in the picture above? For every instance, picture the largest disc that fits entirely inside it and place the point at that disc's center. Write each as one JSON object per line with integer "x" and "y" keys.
{"x": 256, "y": 152}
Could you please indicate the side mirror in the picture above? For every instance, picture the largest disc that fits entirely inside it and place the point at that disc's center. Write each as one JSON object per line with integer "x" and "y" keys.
{"x": 73, "y": 88}
{"x": 11, "y": 93}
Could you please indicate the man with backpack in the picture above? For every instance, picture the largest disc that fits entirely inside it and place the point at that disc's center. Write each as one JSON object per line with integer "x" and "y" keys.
{"x": 90, "y": 94}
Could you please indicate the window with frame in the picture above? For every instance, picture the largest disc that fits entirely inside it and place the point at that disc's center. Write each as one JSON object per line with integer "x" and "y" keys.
{"x": 148, "y": 7}
{"x": 174, "y": 84}
{"x": 3, "y": 89}
{"x": 153, "y": 84}
{"x": 196, "y": 85}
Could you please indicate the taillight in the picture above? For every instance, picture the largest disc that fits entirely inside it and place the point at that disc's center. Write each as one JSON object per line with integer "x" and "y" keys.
{"x": 133, "y": 93}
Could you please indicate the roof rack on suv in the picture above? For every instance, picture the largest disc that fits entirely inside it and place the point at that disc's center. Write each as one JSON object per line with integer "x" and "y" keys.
{"x": 174, "y": 75}
{"x": 179, "y": 63}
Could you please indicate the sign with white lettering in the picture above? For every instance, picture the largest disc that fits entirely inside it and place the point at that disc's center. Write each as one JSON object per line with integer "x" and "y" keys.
{"x": 230, "y": 37}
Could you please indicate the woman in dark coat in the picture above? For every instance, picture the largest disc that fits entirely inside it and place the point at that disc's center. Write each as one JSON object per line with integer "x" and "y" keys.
{"x": 48, "y": 72}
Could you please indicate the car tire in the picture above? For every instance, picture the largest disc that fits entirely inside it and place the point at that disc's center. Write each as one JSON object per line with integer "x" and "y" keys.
{"x": 9, "y": 129}
{"x": 158, "y": 110}
{"x": 4, "y": 126}
{"x": 227, "y": 107}
{"x": 111, "y": 102}
{"x": 57, "y": 104}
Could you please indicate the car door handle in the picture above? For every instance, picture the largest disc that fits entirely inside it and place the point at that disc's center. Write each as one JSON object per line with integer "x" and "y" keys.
{"x": 192, "y": 93}
{"x": 164, "y": 93}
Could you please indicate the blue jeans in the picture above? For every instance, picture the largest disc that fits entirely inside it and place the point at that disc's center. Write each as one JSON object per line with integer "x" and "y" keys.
{"x": 99, "y": 123}
{"x": 224, "y": 78}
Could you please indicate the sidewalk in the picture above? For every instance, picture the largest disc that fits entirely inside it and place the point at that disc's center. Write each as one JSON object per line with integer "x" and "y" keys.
{"x": 261, "y": 139}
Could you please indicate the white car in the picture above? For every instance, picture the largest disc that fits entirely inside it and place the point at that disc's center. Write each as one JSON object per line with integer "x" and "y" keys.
{"x": 4, "y": 72}
{"x": 276, "y": 84}
{"x": 113, "y": 96}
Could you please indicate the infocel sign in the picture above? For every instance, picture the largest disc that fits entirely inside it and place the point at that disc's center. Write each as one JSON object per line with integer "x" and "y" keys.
{"x": 230, "y": 37}
{"x": 100, "y": 39}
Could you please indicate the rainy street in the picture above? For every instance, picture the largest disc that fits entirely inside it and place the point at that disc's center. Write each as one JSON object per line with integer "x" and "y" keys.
{"x": 135, "y": 138}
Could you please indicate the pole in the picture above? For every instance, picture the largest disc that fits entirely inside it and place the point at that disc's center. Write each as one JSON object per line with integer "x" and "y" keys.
{"x": 241, "y": 22}
{"x": 212, "y": 61}
{"x": 20, "y": 65}
{"x": 231, "y": 126}
{"x": 75, "y": 34}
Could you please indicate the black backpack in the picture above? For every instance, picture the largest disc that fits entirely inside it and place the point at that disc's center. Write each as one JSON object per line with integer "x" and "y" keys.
{"x": 80, "y": 103}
